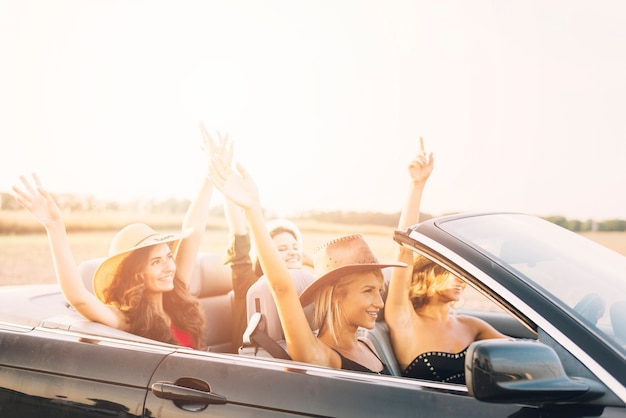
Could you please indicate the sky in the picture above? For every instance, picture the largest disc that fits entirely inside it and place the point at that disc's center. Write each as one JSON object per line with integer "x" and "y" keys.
{"x": 522, "y": 103}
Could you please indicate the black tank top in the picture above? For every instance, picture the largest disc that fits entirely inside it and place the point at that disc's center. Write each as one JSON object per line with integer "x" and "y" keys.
{"x": 438, "y": 366}
{"x": 347, "y": 364}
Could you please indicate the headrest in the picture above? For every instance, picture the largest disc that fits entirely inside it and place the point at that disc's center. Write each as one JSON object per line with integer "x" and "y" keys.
{"x": 210, "y": 277}
{"x": 87, "y": 268}
{"x": 259, "y": 299}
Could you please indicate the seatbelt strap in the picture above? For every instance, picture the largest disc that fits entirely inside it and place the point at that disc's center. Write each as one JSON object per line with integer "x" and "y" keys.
{"x": 261, "y": 339}
{"x": 256, "y": 336}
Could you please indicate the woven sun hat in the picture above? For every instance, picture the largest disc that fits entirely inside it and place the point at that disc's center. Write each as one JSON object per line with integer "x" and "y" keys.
{"x": 341, "y": 256}
{"x": 130, "y": 238}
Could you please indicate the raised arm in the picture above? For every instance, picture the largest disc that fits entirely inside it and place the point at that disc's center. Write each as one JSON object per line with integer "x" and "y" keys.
{"x": 240, "y": 188}
{"x": 398, "y": 306}
{"x": 197, "y": 215}
{"x": 36, "y": 200}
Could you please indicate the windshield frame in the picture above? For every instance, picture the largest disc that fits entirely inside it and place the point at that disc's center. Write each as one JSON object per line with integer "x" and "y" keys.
{"x": 537, "y": 251}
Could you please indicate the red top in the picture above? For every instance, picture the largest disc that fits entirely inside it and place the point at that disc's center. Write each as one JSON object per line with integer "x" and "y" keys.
{"x": 184, "y": 338}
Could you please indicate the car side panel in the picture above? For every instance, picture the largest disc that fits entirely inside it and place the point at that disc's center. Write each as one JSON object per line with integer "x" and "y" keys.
{"x": 265, "y": 387}
{"x": 33, "y": 394}
{"x": 54, "y": 374}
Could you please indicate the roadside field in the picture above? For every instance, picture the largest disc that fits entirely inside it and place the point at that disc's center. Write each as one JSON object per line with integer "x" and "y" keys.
{"x": 26, "y": 259}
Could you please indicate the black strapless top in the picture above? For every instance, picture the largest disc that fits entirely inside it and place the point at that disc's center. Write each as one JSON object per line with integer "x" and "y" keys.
{"x": 438, "y": 366}
{"x": 347, "y": 364}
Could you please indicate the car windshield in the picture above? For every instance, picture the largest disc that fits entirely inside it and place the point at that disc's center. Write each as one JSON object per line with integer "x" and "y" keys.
{"x": 586, "y": 278}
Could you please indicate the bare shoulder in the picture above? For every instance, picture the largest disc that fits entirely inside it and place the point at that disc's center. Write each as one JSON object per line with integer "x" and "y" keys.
{"x": 479, "y": 327}
{"x": 368, "y": 343}
{"x": 472, "y": 321}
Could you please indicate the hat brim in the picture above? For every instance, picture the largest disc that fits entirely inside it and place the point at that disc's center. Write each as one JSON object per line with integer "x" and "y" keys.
{"x": 105, "y": 272}
{"x": 309, "y": 294}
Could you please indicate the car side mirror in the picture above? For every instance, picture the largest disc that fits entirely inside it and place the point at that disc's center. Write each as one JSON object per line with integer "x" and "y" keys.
{"x": 520, "y": 371}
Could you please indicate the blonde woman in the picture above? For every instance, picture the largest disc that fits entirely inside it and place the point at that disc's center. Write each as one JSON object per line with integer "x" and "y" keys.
{"x": 429, "y": 340}
{"x": 346, "y": 292}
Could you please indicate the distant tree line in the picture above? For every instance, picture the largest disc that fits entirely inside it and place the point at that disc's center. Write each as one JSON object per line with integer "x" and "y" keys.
{"x": 76, "y": 203}
{"x": 352, "y": 217}
{"x": 588, "y": 225}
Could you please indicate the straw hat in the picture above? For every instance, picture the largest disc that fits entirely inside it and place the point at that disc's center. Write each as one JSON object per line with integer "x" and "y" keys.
{"x": 335, "y": 259}
{"x": 130, "y": 238}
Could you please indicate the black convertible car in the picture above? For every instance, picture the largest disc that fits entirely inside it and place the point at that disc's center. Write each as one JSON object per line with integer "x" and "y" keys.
{"x": 560, "y": 296}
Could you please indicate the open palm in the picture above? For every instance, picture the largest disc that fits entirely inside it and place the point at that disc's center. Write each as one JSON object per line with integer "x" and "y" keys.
{"x": 235, "y": 186}
{"x": 37, "y": 201}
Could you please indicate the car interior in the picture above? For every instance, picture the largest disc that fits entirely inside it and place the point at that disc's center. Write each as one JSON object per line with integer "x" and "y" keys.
{"x": 211, "y": 284}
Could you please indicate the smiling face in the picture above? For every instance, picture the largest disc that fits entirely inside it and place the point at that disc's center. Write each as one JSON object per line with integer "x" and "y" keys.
{"x": 289, "y": 249}
{"x": 433, "y": 282}
{"x": 451, "y": 288}
{"x": 158, "y": 273}
{"x": 360, "y": 299}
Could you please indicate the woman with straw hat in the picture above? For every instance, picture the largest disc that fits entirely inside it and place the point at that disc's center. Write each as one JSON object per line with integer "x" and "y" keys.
{"x": 142, "y": 287}
{"x": 346, "y": 291}
{"x": 429, "y": 342}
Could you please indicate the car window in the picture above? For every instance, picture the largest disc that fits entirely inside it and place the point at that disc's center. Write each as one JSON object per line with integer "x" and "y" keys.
{"x": 584, "y": 278}
{"x": 473, "y": 300}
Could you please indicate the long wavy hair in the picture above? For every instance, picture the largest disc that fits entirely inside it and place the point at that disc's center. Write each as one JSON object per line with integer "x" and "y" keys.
{"x": 426, "y": 282}
{"x": 328, "y": 313}
{"x": 126, "y": 292}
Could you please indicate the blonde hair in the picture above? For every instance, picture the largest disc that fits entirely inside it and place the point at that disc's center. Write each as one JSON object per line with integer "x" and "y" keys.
{"x": 426, "y": 282}
{"x": 328, "y": 313}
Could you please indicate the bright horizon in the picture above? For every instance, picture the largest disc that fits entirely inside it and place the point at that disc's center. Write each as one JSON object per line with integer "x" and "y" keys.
{"x": 522, "y": 102}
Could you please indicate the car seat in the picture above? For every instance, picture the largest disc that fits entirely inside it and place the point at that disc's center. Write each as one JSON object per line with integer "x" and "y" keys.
{"x": 263, "y": 319}
{"x": 617, "y": 312}
{"x": 591, "y": 307}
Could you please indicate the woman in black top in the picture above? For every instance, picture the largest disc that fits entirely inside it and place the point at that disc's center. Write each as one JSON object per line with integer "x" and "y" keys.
{"x": 428, "y": 340}
{"x": 347, "y": 291}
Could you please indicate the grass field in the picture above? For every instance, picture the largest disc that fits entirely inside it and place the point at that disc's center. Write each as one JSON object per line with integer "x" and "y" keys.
{"x": 25, "y": 258}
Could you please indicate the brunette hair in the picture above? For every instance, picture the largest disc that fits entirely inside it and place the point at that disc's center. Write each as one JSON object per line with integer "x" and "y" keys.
{"x": 126, "y": 292}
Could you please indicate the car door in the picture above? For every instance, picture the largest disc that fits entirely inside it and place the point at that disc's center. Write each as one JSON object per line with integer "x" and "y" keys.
{"x": 53, "y": 373}
{"x": 262, "y": 387}
{"x": 487, "y": 264}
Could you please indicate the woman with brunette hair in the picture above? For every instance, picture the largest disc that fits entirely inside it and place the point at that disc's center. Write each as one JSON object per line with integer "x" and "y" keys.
{"x": 346, "y": 291}
{"x": 142, "y": 287}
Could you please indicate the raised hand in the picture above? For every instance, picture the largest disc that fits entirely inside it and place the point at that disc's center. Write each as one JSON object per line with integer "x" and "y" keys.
{"x": 222, "y": 148}
{"x": 37, "y": 201}
{"x": 422, "y": 165}
{"x": 235, "y": 186}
